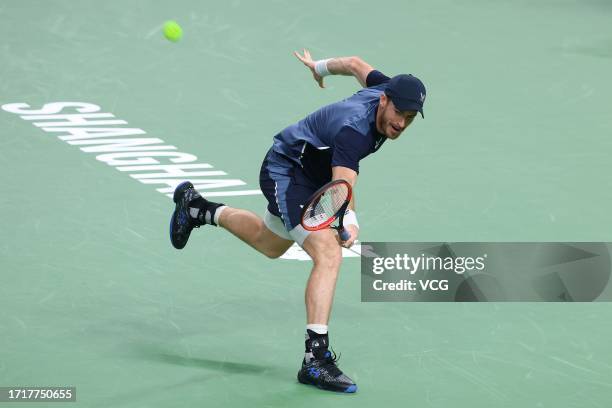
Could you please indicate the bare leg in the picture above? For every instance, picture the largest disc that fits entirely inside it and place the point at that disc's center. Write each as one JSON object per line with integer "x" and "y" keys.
{"x": 323, "y": 248}
{"x": 251, "y": 229}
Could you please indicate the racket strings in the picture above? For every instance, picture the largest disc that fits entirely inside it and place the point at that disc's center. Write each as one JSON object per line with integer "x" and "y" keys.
{"x": 326, "y": 206}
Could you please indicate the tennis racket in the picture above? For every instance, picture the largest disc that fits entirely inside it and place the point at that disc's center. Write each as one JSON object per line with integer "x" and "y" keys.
{"x": 326, "y": 205}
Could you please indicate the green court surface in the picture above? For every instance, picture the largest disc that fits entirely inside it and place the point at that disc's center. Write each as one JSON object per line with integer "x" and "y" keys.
{"x": 515, "y": 146}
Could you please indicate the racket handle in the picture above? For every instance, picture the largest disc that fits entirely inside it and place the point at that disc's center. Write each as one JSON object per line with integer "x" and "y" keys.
{"x": 344, "y": 234}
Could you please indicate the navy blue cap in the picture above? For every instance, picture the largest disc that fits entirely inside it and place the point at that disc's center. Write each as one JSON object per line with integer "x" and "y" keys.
{"x": 407, "y": 93}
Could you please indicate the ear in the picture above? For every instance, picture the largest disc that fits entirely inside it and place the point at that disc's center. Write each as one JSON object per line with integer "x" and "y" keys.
{"x": 384, "y": 100}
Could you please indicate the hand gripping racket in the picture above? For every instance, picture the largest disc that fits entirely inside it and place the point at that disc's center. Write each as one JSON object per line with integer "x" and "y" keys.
{"x": 326, "y": 205}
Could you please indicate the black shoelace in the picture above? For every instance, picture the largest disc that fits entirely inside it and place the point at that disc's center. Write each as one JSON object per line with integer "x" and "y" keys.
{"x": 330, "y": 364}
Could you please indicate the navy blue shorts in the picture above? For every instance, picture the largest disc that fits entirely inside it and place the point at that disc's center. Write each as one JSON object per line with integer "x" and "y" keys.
{"x": 286, "y": 188}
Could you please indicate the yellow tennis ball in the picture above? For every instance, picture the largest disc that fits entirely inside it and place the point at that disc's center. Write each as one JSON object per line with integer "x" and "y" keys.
{"x": 172, "y": 31}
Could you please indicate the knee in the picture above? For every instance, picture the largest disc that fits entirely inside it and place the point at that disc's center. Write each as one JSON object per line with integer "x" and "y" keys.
{"x": 325, "y": 252}
{"x": 274, "y": 253}
{"x": 329, "y": 259}
{"x": 331, "y": 264}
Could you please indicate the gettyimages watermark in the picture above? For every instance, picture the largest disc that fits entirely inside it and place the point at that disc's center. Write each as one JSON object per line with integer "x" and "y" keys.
{"x": 485, "y": 272}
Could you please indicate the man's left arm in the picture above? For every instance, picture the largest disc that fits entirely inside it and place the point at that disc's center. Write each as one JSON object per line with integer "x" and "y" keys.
{"x": 350, "y": 220}
{"x": 350, "y": 66}
{"x": 350, "y": 175}
{"x": 350, "y": 147}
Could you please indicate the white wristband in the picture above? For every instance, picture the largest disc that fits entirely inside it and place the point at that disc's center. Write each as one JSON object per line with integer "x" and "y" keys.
{"x": 321, "y": 67}
{"x": 350, "y": 218}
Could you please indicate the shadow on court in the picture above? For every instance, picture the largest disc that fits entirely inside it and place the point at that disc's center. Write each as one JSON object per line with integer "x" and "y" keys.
{"x": 197, "y": 386}
{"x": 156, "y": 353}
{"x": 209, "y": 364}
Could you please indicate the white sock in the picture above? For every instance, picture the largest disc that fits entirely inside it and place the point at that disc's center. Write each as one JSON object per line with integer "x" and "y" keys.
{"x": 218, "y": 212}
{"x": 317, "y": 328}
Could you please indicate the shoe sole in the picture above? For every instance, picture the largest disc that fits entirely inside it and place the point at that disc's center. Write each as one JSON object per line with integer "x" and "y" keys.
{"x": 178, "y": 191}
{"x": 349, "y": 390}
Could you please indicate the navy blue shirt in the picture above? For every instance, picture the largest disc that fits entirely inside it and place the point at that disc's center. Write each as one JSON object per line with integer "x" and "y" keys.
{"x": 340, "y": 134}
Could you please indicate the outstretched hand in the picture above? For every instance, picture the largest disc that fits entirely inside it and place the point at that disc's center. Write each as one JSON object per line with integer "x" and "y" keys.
{"x": 308, "y": 61}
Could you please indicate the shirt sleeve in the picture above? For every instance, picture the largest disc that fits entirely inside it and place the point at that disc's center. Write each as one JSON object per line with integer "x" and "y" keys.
{"x": 376, "y": 77}
{"x": 350, "y": 146}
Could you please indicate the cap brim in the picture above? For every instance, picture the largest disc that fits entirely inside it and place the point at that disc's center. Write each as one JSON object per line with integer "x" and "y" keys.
{"x": 409, "y": 106}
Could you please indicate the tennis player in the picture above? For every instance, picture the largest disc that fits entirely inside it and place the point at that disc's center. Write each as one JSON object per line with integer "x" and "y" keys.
{"x": 326, "y": 145}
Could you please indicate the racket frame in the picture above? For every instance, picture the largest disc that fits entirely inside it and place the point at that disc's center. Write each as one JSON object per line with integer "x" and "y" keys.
{"x": 339, "y": 215}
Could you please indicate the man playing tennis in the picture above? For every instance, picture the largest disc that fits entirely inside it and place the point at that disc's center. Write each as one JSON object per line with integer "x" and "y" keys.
{"x": 326, "y": 145}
